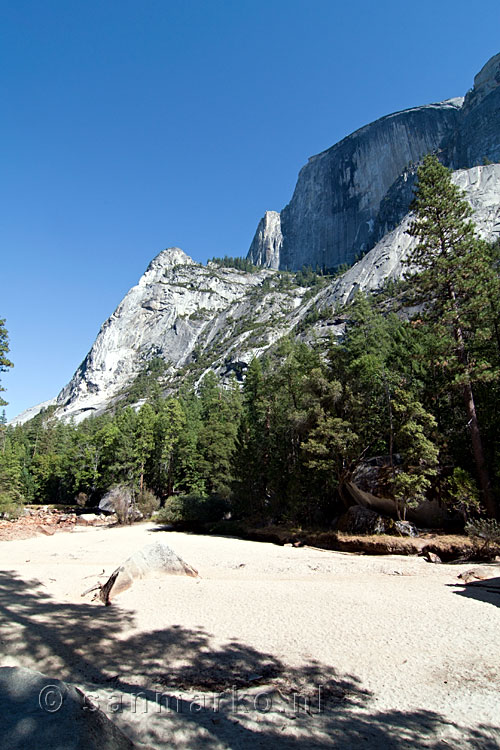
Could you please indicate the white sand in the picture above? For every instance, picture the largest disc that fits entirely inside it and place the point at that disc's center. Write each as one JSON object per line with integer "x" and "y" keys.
{"x": 403, "y": 657}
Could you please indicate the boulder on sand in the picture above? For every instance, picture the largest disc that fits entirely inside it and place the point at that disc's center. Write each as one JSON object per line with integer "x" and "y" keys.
{"x": 44, "y": 713}
{"x": 152, "y": 561}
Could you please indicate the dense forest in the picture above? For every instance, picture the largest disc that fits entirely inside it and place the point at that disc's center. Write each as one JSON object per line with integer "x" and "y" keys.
{"x": 415, "y": 379}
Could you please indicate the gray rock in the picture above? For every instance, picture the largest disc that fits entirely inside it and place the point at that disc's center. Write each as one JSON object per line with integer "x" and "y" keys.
{"x": 44, "y": 713}
{"x": 88, "y": 519}
{"x": 119, "y": 500}
{"x": 266, "y": 246}
{"x": 349, "y": 196}
{"x": 401, "y": 528}
{"x": 433, "y": 558}
{"x": 152, "y": 561}
{"x": 359, "y": 520}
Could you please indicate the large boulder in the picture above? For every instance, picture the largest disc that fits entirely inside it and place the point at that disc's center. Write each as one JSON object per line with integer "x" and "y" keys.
{"x": 47, "y": 714}
{"x": 360, "y": 520}
{"x": 119, "y": 500}
{"x": 152, "y": 561}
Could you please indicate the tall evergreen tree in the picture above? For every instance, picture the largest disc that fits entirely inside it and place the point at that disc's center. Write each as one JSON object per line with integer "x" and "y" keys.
{"x": 168, "y": 426}
{"x": 144, "y": 439}
{"x": 5, "y": 363}
{"x": 220, "y": 415}
{"x": 453, "y": 272}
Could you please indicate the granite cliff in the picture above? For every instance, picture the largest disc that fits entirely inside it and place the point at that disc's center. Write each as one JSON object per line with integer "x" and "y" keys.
{"x": 196, "y": 317}
{"x": 348, "y": 197}
{"x": 351, "y": 199}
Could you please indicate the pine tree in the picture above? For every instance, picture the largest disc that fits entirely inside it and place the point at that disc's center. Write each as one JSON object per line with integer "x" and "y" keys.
{"x": 5, "y": 363}
{"x": 168, "y": 427}
{"x": 453, "y": 272}
{"x": 144, "y": 439}
{"x": 419, "y": 454}
{"x": 220, "y": 414}
{"x": 10, "y": 477}
{"x": 253, "y": 456}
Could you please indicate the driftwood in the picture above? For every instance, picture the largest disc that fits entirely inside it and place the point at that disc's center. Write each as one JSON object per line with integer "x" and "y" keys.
{"x": 92, "y": 588}
{"x": 105, "y": 591}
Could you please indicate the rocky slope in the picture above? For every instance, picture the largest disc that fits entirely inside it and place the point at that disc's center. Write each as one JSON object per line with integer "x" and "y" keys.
{"x": 190, "y": 316}
{"x": 197, "y": 317}
{"x": 349, "y": 196}
{"x": 356, "y": 194}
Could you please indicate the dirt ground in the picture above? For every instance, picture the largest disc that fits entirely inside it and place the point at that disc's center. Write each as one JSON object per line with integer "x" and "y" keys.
{"x": 269, "y": 646}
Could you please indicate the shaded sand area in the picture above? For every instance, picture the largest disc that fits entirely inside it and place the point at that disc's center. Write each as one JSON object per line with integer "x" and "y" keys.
{"x": 271, "y": 646}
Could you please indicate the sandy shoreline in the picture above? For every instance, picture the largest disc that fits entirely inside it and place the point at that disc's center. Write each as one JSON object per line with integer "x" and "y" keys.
{"x": 403, "y": 656}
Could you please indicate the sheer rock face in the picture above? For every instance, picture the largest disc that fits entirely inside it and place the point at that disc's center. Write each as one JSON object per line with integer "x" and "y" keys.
{"x": 330, "y": 218}
{"x": 349, "y": 196}
{"x": 386, "y": 260}
{"x": 266, "y": 246}
{"x": 478, "y": 138}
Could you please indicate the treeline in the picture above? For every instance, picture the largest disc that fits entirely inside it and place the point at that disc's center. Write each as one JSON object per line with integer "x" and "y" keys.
{"x": 241, "y": 264}
{"x": 415, "y": 379}
{"x": 282, "y": 448}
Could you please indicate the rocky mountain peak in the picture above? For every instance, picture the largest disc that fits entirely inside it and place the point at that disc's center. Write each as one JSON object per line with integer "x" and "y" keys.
{"x": 486, "y": 81}
{"x": 163, "y": 263}
{"x": 351, "y": 200}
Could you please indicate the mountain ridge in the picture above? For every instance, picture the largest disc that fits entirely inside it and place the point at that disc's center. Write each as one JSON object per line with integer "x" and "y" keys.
{"x": 196, "y": 317}
{"x": 334, "y": 214}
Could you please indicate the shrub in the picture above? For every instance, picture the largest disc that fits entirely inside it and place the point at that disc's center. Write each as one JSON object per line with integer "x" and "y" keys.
{"x": 11, "y": 505}
{"x": 486, "y": 536}
{"x": 81, "y": 499}
{"x": 192, "y": 510}
{"x": 147, "y": 503}
{"x": 462, "y": 493}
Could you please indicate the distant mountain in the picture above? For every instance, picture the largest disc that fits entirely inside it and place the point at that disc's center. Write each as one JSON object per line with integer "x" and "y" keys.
{"x": 183, "y": 318}
{"x": 349, "y": 196}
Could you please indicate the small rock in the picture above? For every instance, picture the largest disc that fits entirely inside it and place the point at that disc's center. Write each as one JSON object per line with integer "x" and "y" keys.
{"x": 359, "y": 520}
{"x": 87, "y": 519}
{"x": 476, "y": 574}
{"x": 432, "y": 557}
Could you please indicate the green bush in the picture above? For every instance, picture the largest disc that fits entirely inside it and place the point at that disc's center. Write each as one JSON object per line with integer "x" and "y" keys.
{"x": 147, "y": 503}
{"x": 486, "y": 536}
{"x": 192, "y": 510}
{"x": 11, "y": 505}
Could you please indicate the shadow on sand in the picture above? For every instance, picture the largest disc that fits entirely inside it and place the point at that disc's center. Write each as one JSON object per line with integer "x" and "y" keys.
{"x": 487, "y": 590}
{"x": 87, "y": 644}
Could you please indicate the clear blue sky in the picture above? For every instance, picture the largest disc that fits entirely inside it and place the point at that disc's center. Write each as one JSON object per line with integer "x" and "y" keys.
{"x": 129, "y": 126}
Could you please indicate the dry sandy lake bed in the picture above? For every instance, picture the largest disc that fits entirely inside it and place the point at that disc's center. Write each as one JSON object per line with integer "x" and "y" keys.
{"x": 270, "y": 646}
